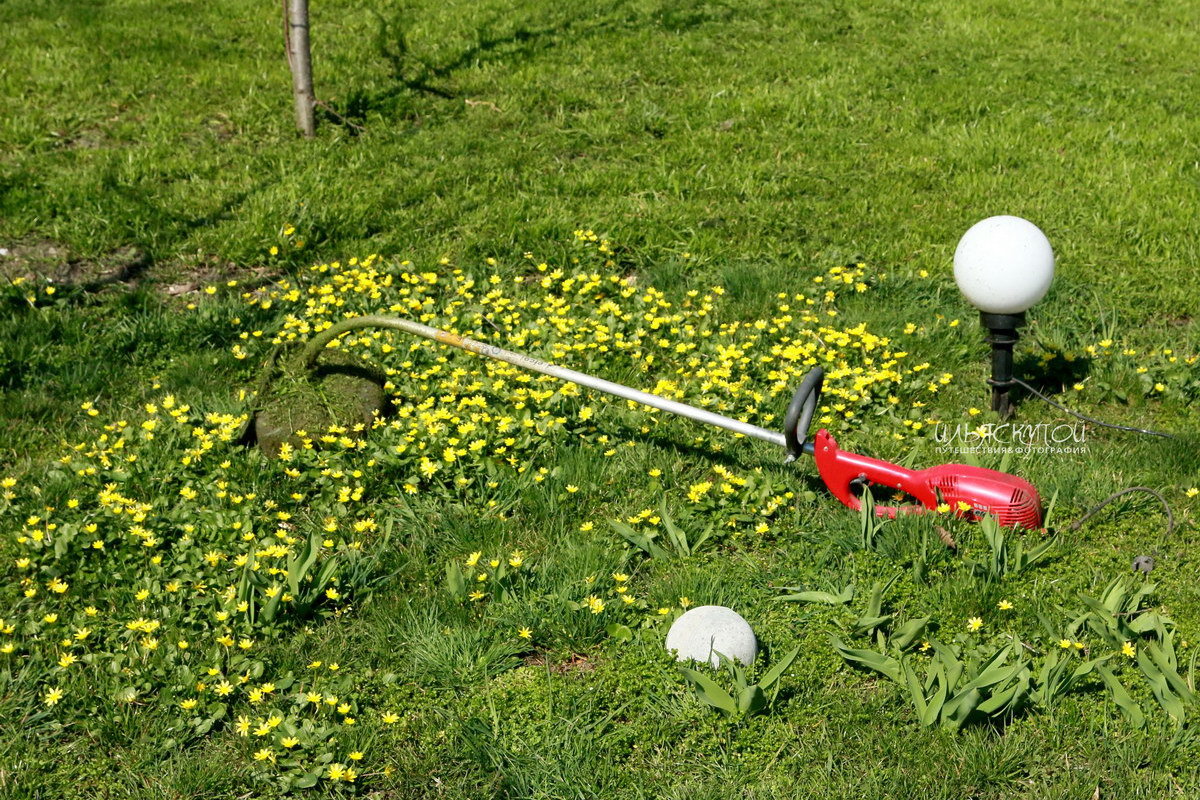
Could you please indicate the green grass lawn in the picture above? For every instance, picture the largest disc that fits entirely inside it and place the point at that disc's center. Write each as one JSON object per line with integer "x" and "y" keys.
{"x": 161, "y": 220}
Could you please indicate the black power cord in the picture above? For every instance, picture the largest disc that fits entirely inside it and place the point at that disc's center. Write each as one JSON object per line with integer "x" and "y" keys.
{"x": 1092, "y": 420}
{"x": 1143, "y": 564}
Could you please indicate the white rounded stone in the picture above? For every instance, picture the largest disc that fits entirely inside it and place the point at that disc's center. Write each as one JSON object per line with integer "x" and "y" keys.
{"x": 704, "y": 631}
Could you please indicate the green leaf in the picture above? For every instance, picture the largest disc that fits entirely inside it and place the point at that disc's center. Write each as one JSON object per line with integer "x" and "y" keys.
{"x": 903, "y": 637}
{"x": 1160, "y": 687}
{"x": 828, "y": 598}
{"x": 959, "y": 707}
{"x": 1169, "y": 671}
{"x": 935, "y": 702}
{"x": 300, "y": 566}
{"x": 307, "y": 780}
{"x": 751, "y": 700}
{"x": 916, "y": 691}
{"x": 621, "y": 633}
{"x": 455, "y": 580}
{"x": 885, "y": 665}
{"x": 676, "y": 536}
{"x": 777, "y": 669}
{"x": 1121, "y": 696}
{"x": 710, "y": 692}
{"x": 640, "y": 540}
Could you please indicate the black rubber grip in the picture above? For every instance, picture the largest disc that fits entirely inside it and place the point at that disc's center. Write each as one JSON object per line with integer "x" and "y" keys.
{"x": 801, "y": 410}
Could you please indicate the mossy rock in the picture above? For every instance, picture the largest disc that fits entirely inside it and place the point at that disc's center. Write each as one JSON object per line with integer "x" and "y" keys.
{"x": 340, "y": 390}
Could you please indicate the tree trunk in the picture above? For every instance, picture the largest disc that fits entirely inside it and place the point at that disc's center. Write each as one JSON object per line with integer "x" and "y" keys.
{"x": 295, "y": 25}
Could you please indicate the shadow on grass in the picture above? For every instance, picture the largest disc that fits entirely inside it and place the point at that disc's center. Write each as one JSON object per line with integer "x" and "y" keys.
{"x": 1048, "y": 377}
{"x": 410, "y": 74}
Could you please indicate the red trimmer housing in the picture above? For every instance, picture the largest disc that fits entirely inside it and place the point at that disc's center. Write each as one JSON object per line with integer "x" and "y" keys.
{"x": 1011, "y": 500}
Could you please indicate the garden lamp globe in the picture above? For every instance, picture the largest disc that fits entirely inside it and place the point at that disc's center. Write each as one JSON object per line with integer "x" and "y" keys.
{"x": 1003, "y": 265}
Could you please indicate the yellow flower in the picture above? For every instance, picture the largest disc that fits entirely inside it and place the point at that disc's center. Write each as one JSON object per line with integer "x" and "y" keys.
{"x": 264, "y": 755}
{"x": 525, "y": 633}
{"x": 289, "y": 742}
{"x": 188, "y": 704}
{"x": 1128, "y": 649}
{"x": 67, "y": 660}
{"x": 473, "y": 559}
{"x": 357, "y": 755}
{"x": 390, "y": 718}
{"x": 1064, "y": 643}
{"x": 974, "y": 624}
{"x": 1004, "y": 605}
{"x": 243, "y": 726}
{"x": 53, "y": 696}
{"x": 587, "y": 526}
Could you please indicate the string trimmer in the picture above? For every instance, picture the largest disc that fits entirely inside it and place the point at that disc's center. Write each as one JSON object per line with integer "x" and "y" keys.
{"x": 968, "y": 491}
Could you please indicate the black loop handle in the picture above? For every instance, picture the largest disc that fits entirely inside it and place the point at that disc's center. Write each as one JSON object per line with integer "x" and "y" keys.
{"x": 800, "y": 412}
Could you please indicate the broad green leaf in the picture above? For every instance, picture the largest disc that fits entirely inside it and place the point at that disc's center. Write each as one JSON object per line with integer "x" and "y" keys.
{"x": 777, "y": 669}
{"x": 307, "y": 780}
{"x": 915, "y": 689}
{"x": 865, "y": 623}
{"x": 935, "y": 702}
{"x": 828, "y": 598}
{"x": 710, "y": 692}
{"x": 621, "y": 633}
{"x": 959, "y": 707}
{"x": 751, "y": 700}
{"x": 903, "y": 636}
{"x": 882, "y": 664}
{"x": 1160, "y": 687}
{"x": 640, "y": 540}
{"x": 1121, "y": 696}
{"x": 299, "y": 567}
{"x": 1163, "y": 662}
{"x": 455, "y": 580}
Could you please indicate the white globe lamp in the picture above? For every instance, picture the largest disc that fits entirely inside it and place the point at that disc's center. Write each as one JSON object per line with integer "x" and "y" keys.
{"x": 1003, "y": 265}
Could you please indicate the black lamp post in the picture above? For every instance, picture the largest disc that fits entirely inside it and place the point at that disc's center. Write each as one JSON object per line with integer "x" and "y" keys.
{"x": 1002, "y": 335}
